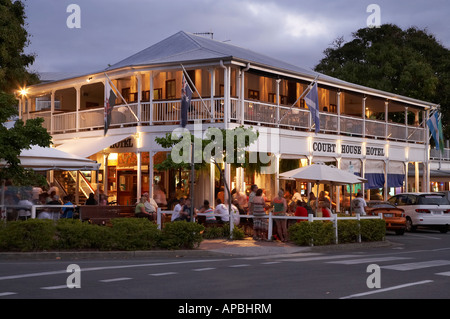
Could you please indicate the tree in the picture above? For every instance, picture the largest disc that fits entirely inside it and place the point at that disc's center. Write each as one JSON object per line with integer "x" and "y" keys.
{"x": 409, "y": 62}
{"x": 14, "y": 75}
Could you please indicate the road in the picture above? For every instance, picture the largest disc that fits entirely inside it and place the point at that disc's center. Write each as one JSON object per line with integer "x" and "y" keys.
{"x": 417, "y": 266}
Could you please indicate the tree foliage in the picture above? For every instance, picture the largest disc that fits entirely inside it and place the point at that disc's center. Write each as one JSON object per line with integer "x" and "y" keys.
{"x": 409, "y": 62}
{"x": 219, "y": 144}
{"x": 14, "y": 75}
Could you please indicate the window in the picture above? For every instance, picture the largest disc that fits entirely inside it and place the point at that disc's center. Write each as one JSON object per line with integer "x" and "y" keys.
{"x": 126, "y": 94}
{"x": 145, "y": 96}
{"x": 170, "y": 89}
{"x": 157, "y": 94}
{"x": 253, "y": 94}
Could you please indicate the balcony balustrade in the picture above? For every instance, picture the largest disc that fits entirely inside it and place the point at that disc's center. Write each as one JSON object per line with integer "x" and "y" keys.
{"x": 167, "y": 112}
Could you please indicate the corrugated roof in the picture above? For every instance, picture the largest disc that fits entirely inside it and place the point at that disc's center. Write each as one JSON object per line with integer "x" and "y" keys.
{"x": 183, "y": 47}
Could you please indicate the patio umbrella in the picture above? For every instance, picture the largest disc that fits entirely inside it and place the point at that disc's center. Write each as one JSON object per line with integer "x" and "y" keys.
{"x": 324, "y": 174}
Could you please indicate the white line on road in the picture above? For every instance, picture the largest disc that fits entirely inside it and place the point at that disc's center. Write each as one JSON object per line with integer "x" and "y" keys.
{"x": 164, "y": 274}
{"x": 237, "y": 266}
{"x": 57, "y": 272}
{"x": 318, "y": 258}
{"x": 418, "y": 265}
{"x": 271, "y": 263}
{"x": 387, "y": 289}
{"x": 447, "y": 273}
{"x": 115, "y": 279}
{"x": 54, "y": 287}
{"x": 8, "y": 293}
{"x": 366, "y": 260}
{"x": 203, "y": 269}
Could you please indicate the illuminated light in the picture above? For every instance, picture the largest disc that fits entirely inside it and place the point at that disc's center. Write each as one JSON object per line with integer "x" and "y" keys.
{"x": 113, "y": 156}
{"x": 89, "y": 79}
{"x": 23, "y": 91}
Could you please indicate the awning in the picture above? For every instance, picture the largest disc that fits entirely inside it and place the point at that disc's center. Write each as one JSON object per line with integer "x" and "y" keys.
{"x": 89, "y": 146}
{"x": 47, "y": 158}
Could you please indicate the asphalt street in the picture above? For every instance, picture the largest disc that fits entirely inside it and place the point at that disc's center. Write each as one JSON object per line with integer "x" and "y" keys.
{"x": 413, "y": 266}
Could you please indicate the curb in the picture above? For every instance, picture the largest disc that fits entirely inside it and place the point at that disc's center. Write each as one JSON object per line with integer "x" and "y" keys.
{"x": 228, "y": 251}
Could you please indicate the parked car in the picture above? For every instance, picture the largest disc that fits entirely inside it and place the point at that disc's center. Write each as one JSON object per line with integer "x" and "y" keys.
{"x": 394, "y": 216}
{"x": 431, "y": 210}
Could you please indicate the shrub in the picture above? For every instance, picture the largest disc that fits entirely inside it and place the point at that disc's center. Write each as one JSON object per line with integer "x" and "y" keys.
{"x": 133, "y": 234}
{"x": 373, "y": 229}
{"x": 238, "y": 233}
{"x": 29, "y": 235}
{"x": 213, "y": 232}
{"x": 181, "y": 234}
{"x": 348, "y": 231}
{"x": 74, "y": 234}
{"x": 316, "y": 233}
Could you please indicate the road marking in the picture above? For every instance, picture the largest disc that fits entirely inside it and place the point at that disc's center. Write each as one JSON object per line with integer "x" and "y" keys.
{"x": 57, "y": 272}
{"x": 203, "y": 269}
{"x": 271, "y": 263}
{"x": 447, "y": 273}
{"x": 115, "y": 279}
{"x": 283, "y": 256}
{"x": 54, "y": 287}
{"x": 237, "y": 266}
{"x": 366, "y": 260}
{"x": 318, "y": 258}
{"x": 387, "y": 289}
{"x": 418, "y": 265}
{"x": 423, "y": 236}
{"x": 2, "y": 294}
{"x": 164, "y": 274}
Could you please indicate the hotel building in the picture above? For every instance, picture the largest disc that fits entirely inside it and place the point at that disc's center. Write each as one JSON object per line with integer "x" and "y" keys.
{"x": 378, "y": 135}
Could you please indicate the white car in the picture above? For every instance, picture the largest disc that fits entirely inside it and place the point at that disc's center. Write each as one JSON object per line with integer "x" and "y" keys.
{"x": 431, "y": 210}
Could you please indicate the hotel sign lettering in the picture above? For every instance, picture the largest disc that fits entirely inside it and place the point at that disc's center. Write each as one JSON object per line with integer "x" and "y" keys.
{"x": 127, "y": 143}
{"x": 347, "y": 149}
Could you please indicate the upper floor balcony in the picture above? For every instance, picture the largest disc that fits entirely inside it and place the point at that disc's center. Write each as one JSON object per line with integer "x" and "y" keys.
{"x": 256, "y": 99}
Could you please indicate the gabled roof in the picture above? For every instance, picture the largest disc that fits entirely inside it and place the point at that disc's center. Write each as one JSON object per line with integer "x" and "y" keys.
{"x": 184, "y": 47}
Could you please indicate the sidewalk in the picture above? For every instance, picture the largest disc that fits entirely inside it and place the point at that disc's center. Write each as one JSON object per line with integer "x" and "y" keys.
{"x": 208, "y": 248}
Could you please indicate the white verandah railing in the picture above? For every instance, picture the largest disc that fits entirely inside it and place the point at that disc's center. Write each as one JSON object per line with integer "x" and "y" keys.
{"x": 334, "y": 219}
{"x": 167, "y": 112}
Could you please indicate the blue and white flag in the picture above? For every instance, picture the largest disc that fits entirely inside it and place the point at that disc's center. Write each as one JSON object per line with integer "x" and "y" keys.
{"x": 186, "y": 95}
{"x": 434, "y": 124}
{"x": 312, "y": 101}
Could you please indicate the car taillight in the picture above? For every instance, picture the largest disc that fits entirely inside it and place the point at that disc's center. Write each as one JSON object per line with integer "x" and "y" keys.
{"x": 423, "y": 211}
{"x": 403, "y": 215}
{"x": 447, "y": 211}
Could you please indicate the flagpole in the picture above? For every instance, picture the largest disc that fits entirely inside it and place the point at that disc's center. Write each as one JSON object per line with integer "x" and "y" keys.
{"x": 301, "y": 96}
{"x": 109, "y": 80}
{"x": 195, "y": 88}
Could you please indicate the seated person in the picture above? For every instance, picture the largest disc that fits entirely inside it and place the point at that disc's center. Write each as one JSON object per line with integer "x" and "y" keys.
{"x": 67, "y": 212}
{"x": 222, "y": 211}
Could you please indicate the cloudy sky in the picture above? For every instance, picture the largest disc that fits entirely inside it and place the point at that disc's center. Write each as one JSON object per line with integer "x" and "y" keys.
{"x": 295, "y": 31}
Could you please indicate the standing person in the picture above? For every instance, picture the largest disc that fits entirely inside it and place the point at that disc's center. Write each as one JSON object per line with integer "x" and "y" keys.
{"x": 259, "y": 212}
{"x": 252, "y": 195}
{"x": 359, "y": 205}
{"x": 279, "y": 209}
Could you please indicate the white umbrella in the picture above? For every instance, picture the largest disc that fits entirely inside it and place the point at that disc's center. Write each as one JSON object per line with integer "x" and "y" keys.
{"x": 321, "y": 173}
{"x": 325, "y": 174}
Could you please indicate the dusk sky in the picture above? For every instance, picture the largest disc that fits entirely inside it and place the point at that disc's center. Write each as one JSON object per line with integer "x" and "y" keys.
{"x": 293, "y": 31}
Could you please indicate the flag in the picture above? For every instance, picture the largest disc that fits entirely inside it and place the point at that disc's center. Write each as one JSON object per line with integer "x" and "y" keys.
{"x": 312, "y": 101}
{"x": 435, "y": 126}
{"x": 110, "y": 100}
{"x": 186, "y": 95}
